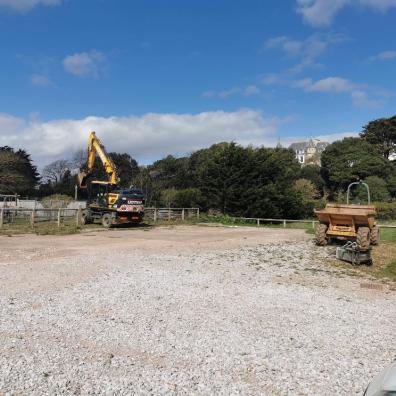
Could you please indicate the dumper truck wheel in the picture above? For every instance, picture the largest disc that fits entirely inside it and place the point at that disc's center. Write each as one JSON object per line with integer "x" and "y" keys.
{"x": 320, "y": 235}
{"x": 107, "y": 220}
{"x": 363, "y": 238}
{"x": 375, "y": 235}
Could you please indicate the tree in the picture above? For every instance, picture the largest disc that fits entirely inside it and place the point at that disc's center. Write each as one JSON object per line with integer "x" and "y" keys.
{"x": 378, "y": 190}
{"x": 18, "y": 175}
{"x": 382, "y": 134}
{"x": 222, "y": 178}
{"x": 127, "y": 168}
{"x": 79, "y": 159}
{"x": 247, "y": 182}
{"x": 271, "y": 178}
{"x": 391, "y": 185}
{"x": 312, "y": 173}
{"x": 55, "y": 171}
{"x": 306, "y": 188}
{"x": 349, "y": 160}
{"x": 188, "y": 198}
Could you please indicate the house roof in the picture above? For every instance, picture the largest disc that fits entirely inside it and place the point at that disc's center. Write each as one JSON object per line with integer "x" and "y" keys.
{"x": 311, "y": 143}
{"x": 298, "y": 146}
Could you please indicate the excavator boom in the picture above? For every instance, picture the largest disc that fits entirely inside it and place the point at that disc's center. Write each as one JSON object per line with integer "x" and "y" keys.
{"x": 95, "y": 147}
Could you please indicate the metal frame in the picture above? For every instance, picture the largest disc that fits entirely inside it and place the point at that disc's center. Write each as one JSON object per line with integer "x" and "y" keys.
{"x": 359, "y": 183}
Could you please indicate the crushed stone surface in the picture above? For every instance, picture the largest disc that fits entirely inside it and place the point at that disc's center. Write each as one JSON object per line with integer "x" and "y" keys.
{"x": 231, "y": 312}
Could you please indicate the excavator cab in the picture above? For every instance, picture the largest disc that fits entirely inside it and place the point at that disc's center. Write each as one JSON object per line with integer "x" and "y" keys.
{"x": 98, "y": 194}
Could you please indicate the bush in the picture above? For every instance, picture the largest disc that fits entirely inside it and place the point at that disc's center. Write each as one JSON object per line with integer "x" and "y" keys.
{"x": 386, "y": 210}
{"x": 56, "y": 201}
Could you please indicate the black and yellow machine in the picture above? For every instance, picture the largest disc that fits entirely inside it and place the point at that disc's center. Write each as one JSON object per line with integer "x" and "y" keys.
{"x": 107, "y": 202}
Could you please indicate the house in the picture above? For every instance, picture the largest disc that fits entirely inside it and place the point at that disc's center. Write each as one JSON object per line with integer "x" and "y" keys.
{"x": 309, "y": 152}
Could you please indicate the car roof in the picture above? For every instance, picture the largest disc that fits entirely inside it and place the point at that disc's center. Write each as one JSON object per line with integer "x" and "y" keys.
{"x": 385, "y": 381}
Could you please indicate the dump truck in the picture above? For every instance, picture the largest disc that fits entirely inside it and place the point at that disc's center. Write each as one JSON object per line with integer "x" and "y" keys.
{"x": 107, "y": 202}
{"x": 348, "y": 222}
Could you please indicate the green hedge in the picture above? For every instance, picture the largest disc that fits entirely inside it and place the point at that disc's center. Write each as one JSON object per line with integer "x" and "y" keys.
{"x": 386, "y": 210}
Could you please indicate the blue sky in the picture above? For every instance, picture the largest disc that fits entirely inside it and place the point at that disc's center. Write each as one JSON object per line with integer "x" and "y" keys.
{"x": 158, "y": 77}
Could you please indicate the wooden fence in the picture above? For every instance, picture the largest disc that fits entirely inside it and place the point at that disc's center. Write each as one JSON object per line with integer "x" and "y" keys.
{"x": 171, "y": 214}
{"x": 284, "y": 222}
{"x": 11, "y": 216}
{"x": 18, "y": 216}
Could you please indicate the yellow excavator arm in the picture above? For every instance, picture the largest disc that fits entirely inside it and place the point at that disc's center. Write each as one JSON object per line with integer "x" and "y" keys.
{"x": 95, "y": 147}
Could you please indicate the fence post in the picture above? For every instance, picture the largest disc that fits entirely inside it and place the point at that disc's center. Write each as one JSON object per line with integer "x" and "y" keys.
{"x": 78, "y": 216}
{"x": 284, "y": 223}
{"x": 59, "y": 218}
{"x": 197, "y": 213}
{"x": 33, "y": 215}
{"x": 155, "y": 215}
{"x": 169, "y": 214}
{"x": 1, "y": 217}
{"x": 313, "y": 224}
{"x": 258, "y": 222}
{"x": 183, "y": 214}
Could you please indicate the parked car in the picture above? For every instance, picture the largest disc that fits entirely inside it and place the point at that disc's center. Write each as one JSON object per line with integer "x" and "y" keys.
{"x": 384, "y": 384}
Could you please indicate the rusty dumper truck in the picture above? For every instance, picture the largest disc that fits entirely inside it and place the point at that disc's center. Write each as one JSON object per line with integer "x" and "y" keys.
{"x": 348, "y": 222}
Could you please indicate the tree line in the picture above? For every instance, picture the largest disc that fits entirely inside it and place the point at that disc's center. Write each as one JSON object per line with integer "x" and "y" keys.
{"x": 231, "y": 179}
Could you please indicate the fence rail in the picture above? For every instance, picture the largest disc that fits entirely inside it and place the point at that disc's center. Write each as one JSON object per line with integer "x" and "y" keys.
{"x": 156, "y": 214}
{"x": 259, "y": 221}
{"x": 14, "y": 216}
{"x": 19, "y": 216}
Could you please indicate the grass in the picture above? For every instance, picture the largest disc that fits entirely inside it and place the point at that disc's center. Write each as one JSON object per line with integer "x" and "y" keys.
{"x": 383, "y": 255}
{"x": 227, "y": 220}
{"x": 389, "y": 271}
{"x": 47, "y": 228}
{"x": 388, "y": 235}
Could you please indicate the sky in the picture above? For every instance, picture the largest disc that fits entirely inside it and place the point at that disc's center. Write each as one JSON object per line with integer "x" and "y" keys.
{"x": 154, "y": 78}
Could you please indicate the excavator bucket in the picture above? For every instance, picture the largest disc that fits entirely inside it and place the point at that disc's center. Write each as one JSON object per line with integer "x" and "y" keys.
{"x": 82, "y": 179}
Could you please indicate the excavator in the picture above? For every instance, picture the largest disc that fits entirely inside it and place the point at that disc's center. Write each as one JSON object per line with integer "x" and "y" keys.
{"x": 107, "y": 202}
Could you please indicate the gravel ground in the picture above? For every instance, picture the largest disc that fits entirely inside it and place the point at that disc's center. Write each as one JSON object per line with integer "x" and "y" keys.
{"x": 248, "y": 313}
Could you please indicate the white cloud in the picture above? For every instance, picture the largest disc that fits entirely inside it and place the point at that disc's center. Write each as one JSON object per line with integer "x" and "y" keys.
{"x": 288, "y": 45}
{"x": 307, "y": 50}
{"x": 332, "y": 137}
{"x": 381, "y": 5}
{"x": 322, "y": 12}
{"x": 251, "y": 90}
{"x": 221, "y": 94}
{"x": 326, "y": 137}
{"x": 27, "y": 5}
{"x": 147, "y": 137}
{"x": 40, "y": 80}
{"x": 273, "y": 79}
{"x": 330, "y": 84}
{"x": 383, "y": 56}
{"x": 84, "y": 63}
{"x": 361, "y": 95}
